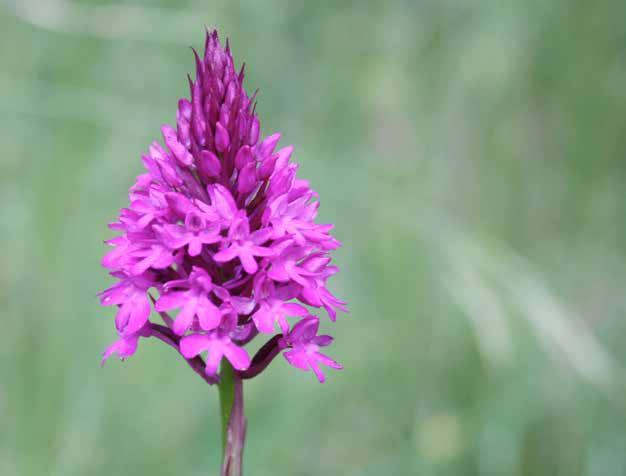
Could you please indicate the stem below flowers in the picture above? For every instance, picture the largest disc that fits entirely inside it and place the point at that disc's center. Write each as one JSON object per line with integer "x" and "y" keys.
{"x": 263, "y": 358}
{"x": 233, "y": 420}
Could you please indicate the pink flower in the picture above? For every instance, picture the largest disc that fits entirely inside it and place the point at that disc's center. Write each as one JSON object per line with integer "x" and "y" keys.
{"x": 244, "y": 245}
{"x": 305, "y": 343}
{"x": 194, "y": 233}
{"x": 221, "y": 233}
{"x": 193, "y": 301}
{"x": 126, "y": 345}
{"x": 134, "y": 307}
{"x": 218, "y": 345}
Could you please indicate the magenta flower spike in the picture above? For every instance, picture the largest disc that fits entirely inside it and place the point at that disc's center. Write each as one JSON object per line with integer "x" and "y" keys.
{"x": 220, "y": 241}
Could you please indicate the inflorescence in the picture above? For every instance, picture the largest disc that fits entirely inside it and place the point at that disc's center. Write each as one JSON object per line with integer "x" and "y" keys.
{"x": 221, "y": 231}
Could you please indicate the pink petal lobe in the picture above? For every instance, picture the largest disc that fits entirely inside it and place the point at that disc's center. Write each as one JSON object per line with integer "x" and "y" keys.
{"x": 237, "y": 356}
{"x": 193, "y": 345}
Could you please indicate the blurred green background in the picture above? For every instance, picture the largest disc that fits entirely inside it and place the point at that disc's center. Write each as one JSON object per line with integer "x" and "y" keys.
{"x": 472, "y": 155}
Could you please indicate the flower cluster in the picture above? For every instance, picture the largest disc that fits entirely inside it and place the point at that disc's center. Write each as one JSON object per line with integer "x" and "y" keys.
{"x": 221, "y": 232}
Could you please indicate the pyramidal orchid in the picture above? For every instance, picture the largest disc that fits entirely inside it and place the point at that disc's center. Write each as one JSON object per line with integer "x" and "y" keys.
{"x": 219, "y": 242}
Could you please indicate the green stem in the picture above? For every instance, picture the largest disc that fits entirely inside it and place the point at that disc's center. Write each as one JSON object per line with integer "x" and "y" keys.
{"x": 233, "y": 420}
{"x": 227, "y": 394}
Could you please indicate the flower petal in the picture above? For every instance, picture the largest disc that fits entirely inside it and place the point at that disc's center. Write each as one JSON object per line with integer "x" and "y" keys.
{"x": 171, "y": 300}
{"x": 226, "y": 254}
{"x": 297, "y": 358}
{"x": 214, "y": 358}
{"x": 237, "y": 356}
{"x": 194, "y": 344}
{"x": 184, "y": 319}
{"x": 247, "y": 260}
{"x": 209, "y": 315}
{"x": 124, "y": 347}
{"x": 264, "y": 320}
